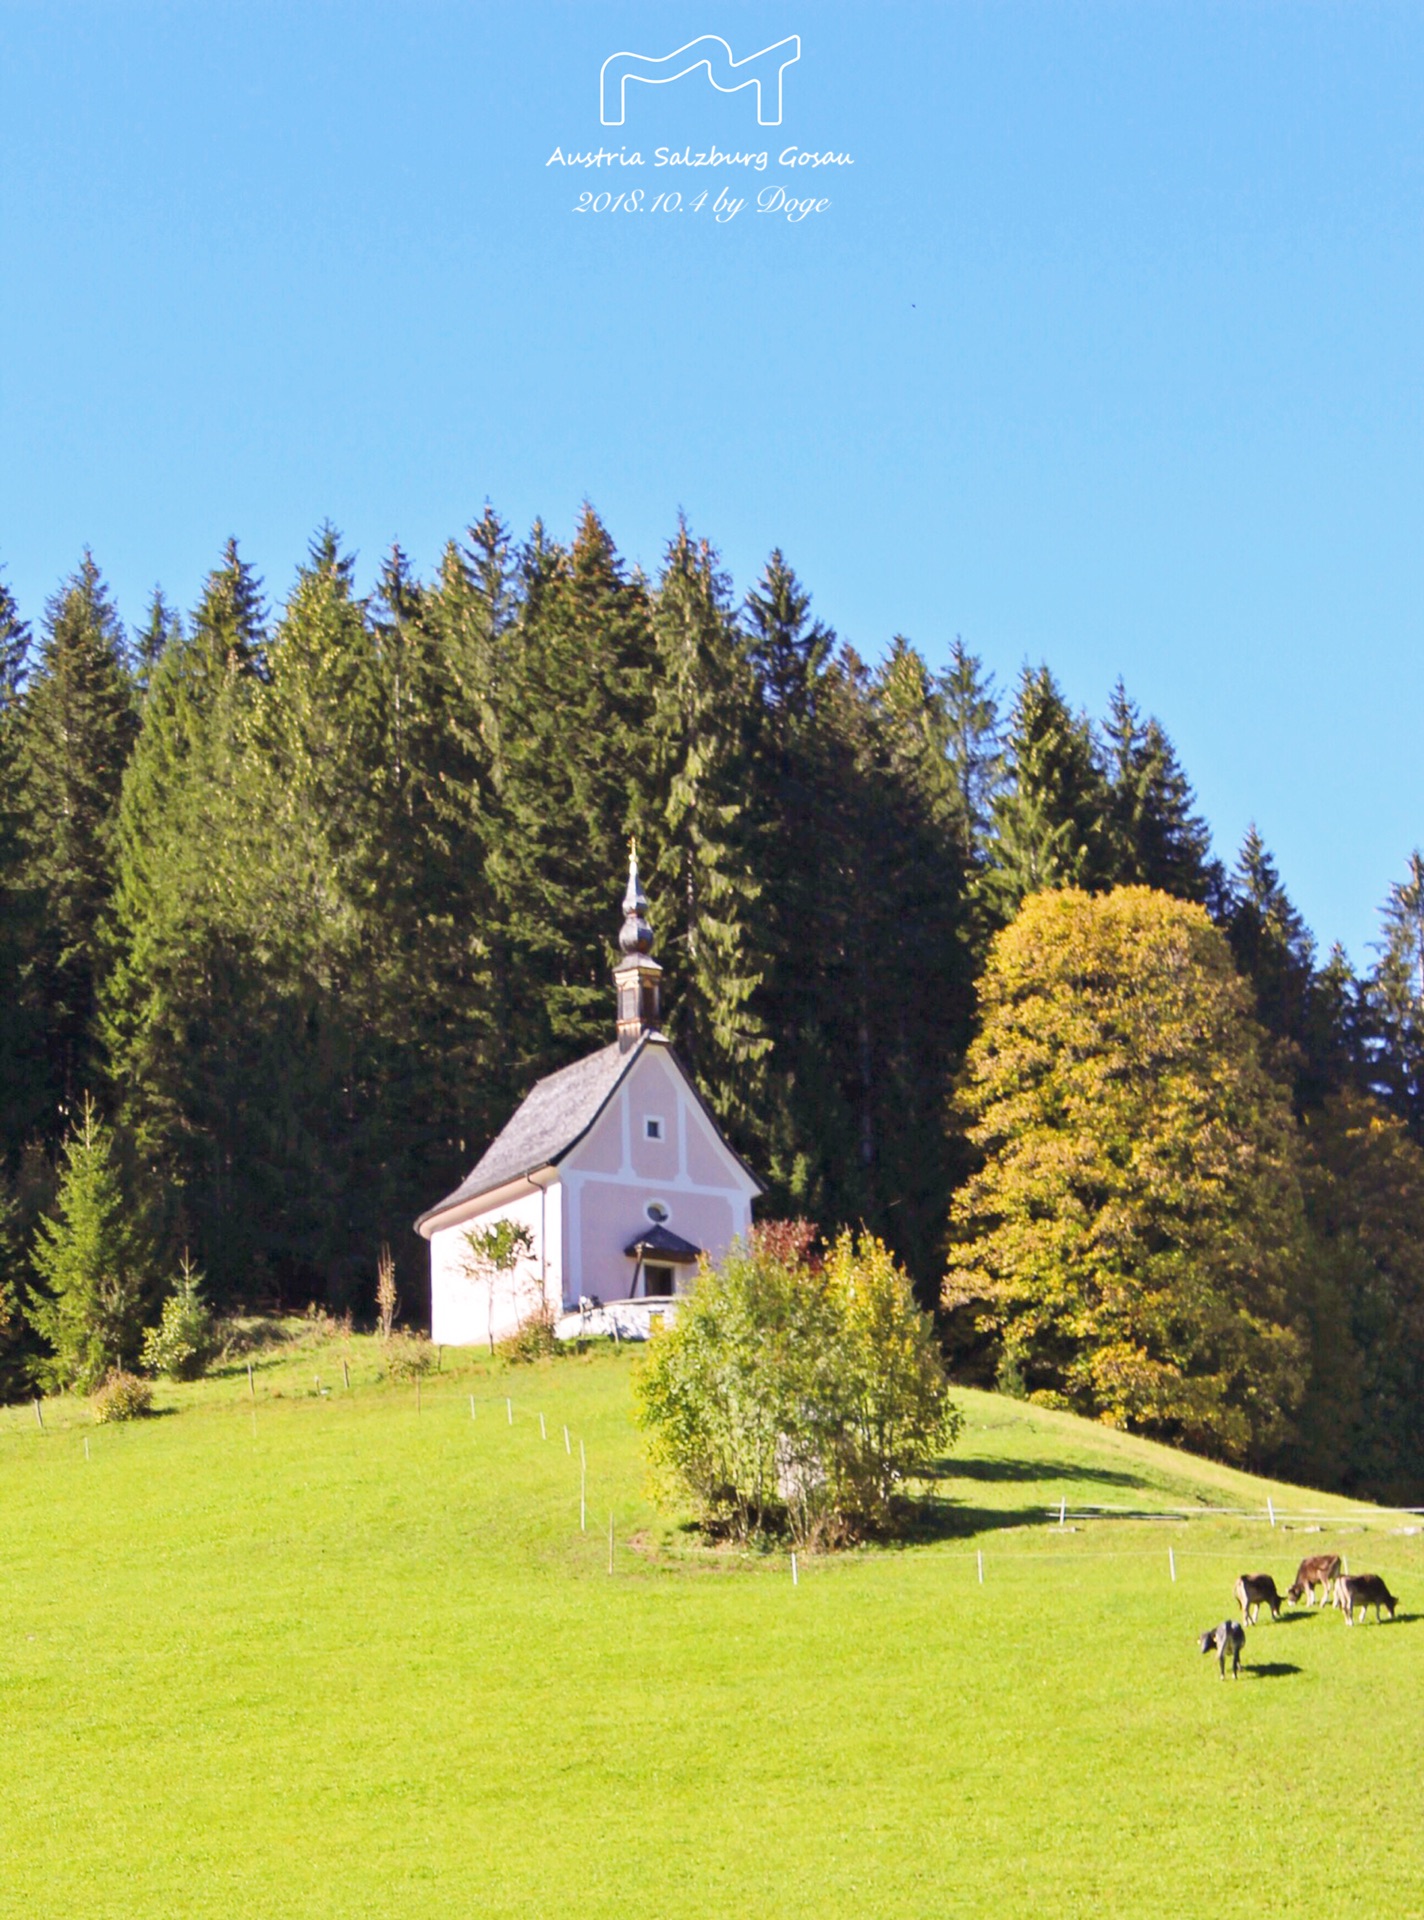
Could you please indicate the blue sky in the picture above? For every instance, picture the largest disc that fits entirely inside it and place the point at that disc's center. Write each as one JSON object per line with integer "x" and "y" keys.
{"x": 1107, "y": 349}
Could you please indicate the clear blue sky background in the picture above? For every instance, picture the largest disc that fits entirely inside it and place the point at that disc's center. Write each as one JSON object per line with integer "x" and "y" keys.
{"x": 1107, "y": 350}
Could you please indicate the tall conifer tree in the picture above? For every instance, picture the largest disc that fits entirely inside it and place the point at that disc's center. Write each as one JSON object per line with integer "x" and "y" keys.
{"x": 574, "y": 706}
{"x": 176, "y": 1007}
{"x": 1051, "y": 817}
{"x": 24, "y": 1079}
{"x": 801, "y": 785}
{"x": 705, "y": 893}
{"x": 971, "y": 714}
{"x": 1157, "y": 837}
{"x": 1275, "y": 950}
{"x": 1396, "y": 999}
{"x": 77, "y": 731}
{"x": 161, "y": 629}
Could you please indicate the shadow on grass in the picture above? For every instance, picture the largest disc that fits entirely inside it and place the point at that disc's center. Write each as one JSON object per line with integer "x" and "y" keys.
{"x": 1024, "y": 1471}
{"x": 1269, "y": 1669}
{"x": 938, "y": 1515}
{"x": 927, "y": 1521}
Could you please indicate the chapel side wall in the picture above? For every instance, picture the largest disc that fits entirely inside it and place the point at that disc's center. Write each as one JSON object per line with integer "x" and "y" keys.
{"x": 469, "y": 1311}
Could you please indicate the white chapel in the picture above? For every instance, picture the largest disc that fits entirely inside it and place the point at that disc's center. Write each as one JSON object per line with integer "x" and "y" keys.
{"x": 615, "y": 1169}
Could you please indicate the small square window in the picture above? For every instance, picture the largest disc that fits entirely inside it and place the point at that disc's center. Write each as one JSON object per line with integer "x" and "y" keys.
{"x": 652, "y": 1128}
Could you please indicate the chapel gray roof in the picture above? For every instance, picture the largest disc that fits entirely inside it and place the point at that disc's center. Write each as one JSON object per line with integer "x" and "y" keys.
{"x": 555, "y": 1114}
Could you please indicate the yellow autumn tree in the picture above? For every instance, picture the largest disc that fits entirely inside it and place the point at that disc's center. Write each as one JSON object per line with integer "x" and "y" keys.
{"x": 1132, "y": 1236}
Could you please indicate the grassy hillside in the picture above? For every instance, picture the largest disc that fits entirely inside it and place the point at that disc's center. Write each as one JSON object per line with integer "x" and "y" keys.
{"x": 362, "y": 1660}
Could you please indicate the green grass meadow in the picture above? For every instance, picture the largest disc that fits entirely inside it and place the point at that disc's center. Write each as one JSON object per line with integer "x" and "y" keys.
{"x": 362, "y": 1660}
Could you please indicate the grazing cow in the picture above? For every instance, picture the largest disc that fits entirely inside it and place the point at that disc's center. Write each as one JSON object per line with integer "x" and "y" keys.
{"x": 1230, "y": 1634}
{"x": 1320, "y": 1570}
{"x": 1253, "y": 1591}
{"x": 1363, "y": 1590}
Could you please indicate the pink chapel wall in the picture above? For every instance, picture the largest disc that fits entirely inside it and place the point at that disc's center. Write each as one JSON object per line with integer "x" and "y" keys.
{"x": 706, "y": 1157}
{"x": 655, "y": 1091}
{"x": 610, "y": 1213}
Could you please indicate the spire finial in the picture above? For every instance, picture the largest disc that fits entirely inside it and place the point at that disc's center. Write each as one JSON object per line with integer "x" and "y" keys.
{"x": 637, "y": 973}
{"x": 637, "y": 935}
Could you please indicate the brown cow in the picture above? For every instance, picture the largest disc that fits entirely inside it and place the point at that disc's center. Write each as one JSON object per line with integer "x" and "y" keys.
{"x": 1320, "y": 1570}
{"x": 1363, "y": 1590}
{"x": 1254, "y": 1590}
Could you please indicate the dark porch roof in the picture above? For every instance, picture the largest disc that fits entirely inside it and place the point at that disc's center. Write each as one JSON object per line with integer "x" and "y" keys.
{"x": 660, "y": 1243}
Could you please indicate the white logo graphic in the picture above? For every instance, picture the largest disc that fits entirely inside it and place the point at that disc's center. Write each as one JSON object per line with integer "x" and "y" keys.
{"x": 760, "y": 70}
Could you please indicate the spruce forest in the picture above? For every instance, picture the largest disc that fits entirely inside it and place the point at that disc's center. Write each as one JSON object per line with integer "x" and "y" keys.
{"x": 300, "y": 898}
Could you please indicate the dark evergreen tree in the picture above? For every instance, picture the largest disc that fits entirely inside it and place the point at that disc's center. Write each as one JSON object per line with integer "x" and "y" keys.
{"x": 789, "y": 651}
{"x": 13, "y": 1270}
{"x": 1157, "y": 837}
{"x": 911, "y": 946}
{"x": 1051, "y": 819}
{"x": 801, "y": 787}
{"x": 230, "y": 621}
{"x": 574, "y": 704}
{"x": 162, "y": 628}
{"x": 77, "y": 729}
{"x": 704, "y": 887}
{"x": 24, "y": 1079}
{"x": 1395, "y": 1001}
{"x": 1362, "y": 1426}
{"x": 971, "y": 723}
{"x": 1275, "y": 950}
{"x": 862, "y": 866}
{"x": 430, "y": 951}
{"x": 14, "y": 651}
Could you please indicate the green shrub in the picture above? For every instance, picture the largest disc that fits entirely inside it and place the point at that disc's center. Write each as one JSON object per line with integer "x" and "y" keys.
{"x": 123, "y": 1396}
{"x": 186, "y": 1337}
{"x": 795, "y": 1395}
{"x": 534, "y": 1339}
{"x": 407, "y": 1355}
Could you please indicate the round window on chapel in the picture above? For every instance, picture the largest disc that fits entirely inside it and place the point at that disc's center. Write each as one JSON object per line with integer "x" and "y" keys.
{"x": 656, "y": 1212}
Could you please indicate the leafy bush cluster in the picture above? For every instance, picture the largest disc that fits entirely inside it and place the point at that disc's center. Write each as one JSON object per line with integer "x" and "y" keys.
{"x": 407, "y": 1355}
{"x": 795, "y": 1395}
{"x": 123, "y": 1396}
{"x": 533, "y": 1339}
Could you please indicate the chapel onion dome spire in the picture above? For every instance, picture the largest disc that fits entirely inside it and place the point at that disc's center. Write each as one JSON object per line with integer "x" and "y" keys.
{"x": 637, "y": 974}
{"x": 636, "y": 935}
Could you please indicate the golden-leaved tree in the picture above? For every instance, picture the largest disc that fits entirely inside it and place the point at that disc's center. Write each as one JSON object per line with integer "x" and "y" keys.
{"x": 1132, "y": 1237}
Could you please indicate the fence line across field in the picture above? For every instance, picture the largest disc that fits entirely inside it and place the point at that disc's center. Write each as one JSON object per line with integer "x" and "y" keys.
{"x": 1274, "y": 1516}
{"x": 983, "y": 1561}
